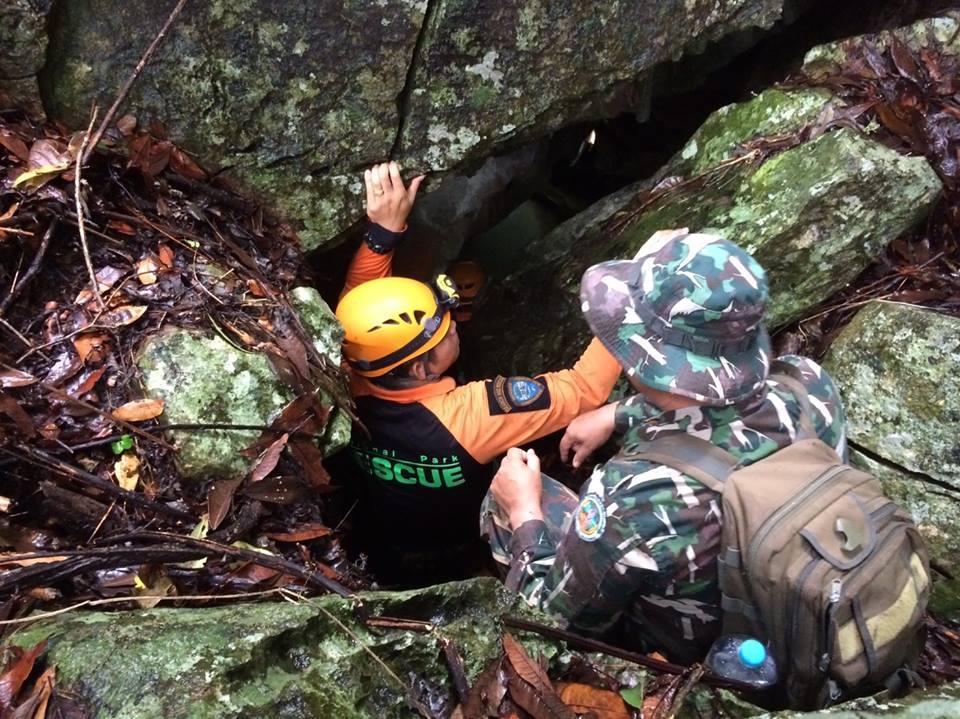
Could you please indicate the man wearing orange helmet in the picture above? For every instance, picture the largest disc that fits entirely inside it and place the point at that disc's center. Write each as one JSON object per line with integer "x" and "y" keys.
{"x": 426, "y": 461}
{"x": 470, "y": 280}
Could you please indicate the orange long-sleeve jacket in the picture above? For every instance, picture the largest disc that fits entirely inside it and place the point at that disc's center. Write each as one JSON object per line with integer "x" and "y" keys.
{"x": 428, "y": 456}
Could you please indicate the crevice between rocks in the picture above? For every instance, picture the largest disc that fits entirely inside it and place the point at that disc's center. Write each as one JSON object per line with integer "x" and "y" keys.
{"x": 952, "y": 492}
{"x": 403, "y": 98}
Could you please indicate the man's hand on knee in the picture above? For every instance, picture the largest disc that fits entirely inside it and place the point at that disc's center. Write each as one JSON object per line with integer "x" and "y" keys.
{"x": 517, "y": 486}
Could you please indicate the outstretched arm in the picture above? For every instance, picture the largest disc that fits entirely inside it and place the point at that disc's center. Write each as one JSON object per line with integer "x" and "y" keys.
{"x": 489, "y": 417}
{"x": 388, "y": 206}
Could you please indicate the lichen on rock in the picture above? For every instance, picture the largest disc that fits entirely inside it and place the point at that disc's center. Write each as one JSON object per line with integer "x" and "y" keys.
{"x": 276, "y": 660}
{"x": 287, "y": 100}
{"x": 896, "y": 367}
{"x": 205, "y": 380}
{"x": 813, "y": 215}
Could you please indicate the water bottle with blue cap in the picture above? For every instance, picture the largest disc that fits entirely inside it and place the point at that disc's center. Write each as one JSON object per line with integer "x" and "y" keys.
{"x": 742, "y": 659}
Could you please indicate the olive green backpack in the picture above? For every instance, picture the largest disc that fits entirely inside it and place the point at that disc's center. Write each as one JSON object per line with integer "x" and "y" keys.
{"x": 815, "y": 561}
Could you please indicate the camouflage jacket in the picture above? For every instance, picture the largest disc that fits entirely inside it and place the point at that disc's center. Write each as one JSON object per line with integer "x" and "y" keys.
{"x": 637, "y": 562}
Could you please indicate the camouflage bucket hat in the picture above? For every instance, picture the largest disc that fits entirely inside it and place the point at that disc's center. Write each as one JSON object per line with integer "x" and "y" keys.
{"x": 684, "y": 316}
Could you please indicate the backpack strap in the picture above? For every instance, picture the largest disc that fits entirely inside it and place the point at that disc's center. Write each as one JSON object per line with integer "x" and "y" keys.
{"x": 691, "y": 455}
{"x": 791, "y": 377}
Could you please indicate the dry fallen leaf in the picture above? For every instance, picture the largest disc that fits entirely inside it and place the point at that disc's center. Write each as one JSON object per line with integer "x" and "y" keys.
{"x": 303, "y": 533}
{"x": 123, "y": 315}
{"x": 150, "y": 595}
{"x": 15, "y": 378}
{"x": 91, "y": 347}
{"x": 139, "y": 410}
{"x": 124, "y": 228}
{"x": 46, "y": 161}
{"x": 268, "y": 461}
{"x": 603, "y": 704}
{"x": 147, "y": 270}
{"x": 127, "y": 124}
{"x": 18, "y": 667}
{"x": 127, "y": 471}
{"x": 107, "y": 277}
{"x": 166, "y": 255}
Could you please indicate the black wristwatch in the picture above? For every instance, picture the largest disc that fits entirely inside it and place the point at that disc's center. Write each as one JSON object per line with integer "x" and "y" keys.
{"x": 381, "y": 240}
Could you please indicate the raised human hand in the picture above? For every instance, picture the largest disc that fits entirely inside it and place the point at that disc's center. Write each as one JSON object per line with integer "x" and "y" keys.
{"x": 517, "y": 486}
{"x": 388, "y": 201}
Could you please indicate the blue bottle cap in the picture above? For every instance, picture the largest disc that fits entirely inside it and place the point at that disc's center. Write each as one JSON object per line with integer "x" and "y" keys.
{"x": 752, "y": 653}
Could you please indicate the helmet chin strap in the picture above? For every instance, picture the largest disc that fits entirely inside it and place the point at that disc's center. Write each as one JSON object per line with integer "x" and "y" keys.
{"x": 391, "y": 382}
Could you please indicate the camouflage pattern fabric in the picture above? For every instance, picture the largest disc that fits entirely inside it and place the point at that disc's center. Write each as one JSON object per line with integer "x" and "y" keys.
{"x": 684, "y": 316}
{"x": 635, "y": 561}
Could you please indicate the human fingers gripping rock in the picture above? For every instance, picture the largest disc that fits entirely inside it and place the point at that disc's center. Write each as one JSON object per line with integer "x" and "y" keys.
{"x": 388, "y": 201}
{"x": 517, "y": 486}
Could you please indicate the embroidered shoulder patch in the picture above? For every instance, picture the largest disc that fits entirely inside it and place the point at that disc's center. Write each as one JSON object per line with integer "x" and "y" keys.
{"x": 591, "y": 518}
{"x": 516, "y": 394}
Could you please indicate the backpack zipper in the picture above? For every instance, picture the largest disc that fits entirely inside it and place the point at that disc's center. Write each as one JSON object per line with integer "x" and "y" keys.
{"x": 797, "y": 500}
{"x": 836, "y": 591}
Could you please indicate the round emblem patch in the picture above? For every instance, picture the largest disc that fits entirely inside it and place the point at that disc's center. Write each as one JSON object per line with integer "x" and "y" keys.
{"x": 523, "y": 391}
{"x": 591, "y": 518}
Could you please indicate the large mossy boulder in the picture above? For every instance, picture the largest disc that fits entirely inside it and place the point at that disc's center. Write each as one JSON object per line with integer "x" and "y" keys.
{"x": 316, "y": 659}
{"x": 814, "y": 215}
{"x": 23, "y": 51}
{"x": 203, "y": 379}
{"x": 940, "y": 33}
{"x": 275, "y": 660}
{"x": 291, "y": 99}
{"x": 941, "y": 702}
{"x": 897, "y": 369}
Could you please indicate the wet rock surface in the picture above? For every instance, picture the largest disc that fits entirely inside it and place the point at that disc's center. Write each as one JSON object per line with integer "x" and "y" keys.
{"x": 275, "y": 660}
{"x": 23, "y": 51}
{"x": 814, "y": 215}
{"x": 203, "y": 379}
{"x": 896, "y": 366}
{"x": 289, "y": 101}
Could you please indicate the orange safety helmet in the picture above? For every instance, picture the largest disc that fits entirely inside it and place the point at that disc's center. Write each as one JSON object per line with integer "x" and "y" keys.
{"x": 470, "y": 279}
{"x": 391, "y": 320}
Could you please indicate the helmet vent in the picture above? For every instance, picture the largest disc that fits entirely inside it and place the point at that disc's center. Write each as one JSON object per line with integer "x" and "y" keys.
{"x": 418, "y": 316}
{"x": 406, "y": 318}
{"x": 390, "y": 321}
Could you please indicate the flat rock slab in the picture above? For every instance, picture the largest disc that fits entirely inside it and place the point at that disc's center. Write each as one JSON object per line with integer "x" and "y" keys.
{"x": 896, "y": 367}
{"x": 814, "y": 216}
{"x": 291, "y": 100}
{"x": 275, "y": 660}
{"x": 314, "y": 659}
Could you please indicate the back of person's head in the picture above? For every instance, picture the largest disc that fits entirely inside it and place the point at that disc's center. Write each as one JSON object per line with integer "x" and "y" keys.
{"x": 685, "y": 316}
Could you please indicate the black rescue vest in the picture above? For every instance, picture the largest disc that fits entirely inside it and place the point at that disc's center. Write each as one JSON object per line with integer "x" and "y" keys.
{"x": 423, "y": 489}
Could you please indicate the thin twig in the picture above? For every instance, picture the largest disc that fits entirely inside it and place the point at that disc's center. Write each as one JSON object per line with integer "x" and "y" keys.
{"x": 270, "y": 561}
{"x": 92, "y": 480}
{"x": 696, "y": 673}
{"x": 116, "y": 600}
{"x": 593, "y": 645}
{"x": 125, "y": 90}
{"x": 19, "y": 336}
{"x": 31, "y": 270}
{"x": 457, "y": 671}
{"x": 81, "y": 157}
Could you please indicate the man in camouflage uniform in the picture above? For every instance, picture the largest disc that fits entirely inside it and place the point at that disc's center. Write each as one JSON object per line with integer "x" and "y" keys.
{"x": 634, "y": 558}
